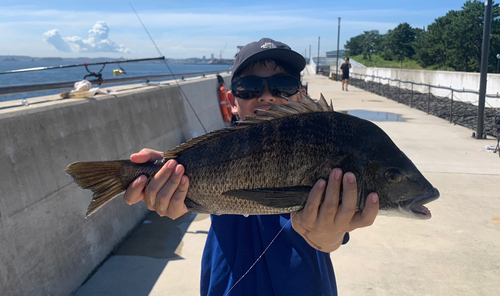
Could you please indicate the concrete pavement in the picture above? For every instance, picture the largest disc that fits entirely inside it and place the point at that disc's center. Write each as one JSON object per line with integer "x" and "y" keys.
{"x": 454, "y": 253}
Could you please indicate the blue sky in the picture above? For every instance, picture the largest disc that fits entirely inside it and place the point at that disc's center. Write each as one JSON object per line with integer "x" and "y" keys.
{"x": 184, "y": 29}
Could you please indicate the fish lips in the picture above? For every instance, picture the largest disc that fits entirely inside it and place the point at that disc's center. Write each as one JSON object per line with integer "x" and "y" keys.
{"x": 415, "y": 207}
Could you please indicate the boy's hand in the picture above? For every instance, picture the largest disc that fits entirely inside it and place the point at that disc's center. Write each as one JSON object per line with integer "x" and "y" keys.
{"x": 324, "y": 224}
{"x": 166, "y": 191}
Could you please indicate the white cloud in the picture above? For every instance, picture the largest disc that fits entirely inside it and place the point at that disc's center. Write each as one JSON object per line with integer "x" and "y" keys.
{"x": 53, "y": 37}
{"x": 98, "y": 41}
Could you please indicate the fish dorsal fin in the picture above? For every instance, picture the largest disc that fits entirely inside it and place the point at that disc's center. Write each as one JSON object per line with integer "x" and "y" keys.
{"x": 305, "y": 105}
{"x": 212, "y": 136}
{"x": 322, "y": 102}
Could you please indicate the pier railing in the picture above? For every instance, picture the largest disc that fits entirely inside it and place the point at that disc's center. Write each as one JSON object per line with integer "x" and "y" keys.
{"x": 27, "y": 88}
{"x": 448, "y": 107}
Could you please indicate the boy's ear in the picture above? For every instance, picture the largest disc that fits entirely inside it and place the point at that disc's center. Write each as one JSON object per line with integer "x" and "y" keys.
{"x": 231, "y": 99}
{"x": 302, "y": 89}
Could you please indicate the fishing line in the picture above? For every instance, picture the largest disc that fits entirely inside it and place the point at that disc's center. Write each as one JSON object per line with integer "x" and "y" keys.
{"x": 172, "y": 73}
{"x": 291, "y": 217}
{"x": 272, "y": 241}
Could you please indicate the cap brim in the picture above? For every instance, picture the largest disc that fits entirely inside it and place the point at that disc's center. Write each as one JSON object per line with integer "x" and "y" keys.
{"x": 286, "y": 56}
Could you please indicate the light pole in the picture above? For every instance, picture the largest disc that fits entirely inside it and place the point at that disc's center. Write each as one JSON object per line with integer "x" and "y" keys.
{"x": 498, "y": 60}
{"x": 337, "y": 69}
{"x": 484, "y": 69}
{"x": 317, "y": 65}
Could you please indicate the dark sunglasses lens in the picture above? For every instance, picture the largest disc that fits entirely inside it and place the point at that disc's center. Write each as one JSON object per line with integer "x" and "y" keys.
{"x": 281, "y": 85}
{"x": 250, "y": 87}
{"x": 247, "y": 87}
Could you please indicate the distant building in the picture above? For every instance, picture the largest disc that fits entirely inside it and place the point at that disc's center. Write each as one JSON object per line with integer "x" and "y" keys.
{"x": 333, "y": 53}
{"x": 322, "y": 60}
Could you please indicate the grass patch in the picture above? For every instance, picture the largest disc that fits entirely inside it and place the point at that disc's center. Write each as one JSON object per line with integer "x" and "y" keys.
{"x": 378, "y": 61}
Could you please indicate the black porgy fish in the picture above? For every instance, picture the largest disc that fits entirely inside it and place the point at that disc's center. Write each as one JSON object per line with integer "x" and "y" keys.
{"x": 273, "y": 161}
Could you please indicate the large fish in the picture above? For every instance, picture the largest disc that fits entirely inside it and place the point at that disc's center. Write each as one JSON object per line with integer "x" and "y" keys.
{"x": 269, "y": 163}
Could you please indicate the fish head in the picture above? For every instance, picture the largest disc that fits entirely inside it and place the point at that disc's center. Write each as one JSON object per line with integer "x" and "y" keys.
{"x": 401, "y": 187}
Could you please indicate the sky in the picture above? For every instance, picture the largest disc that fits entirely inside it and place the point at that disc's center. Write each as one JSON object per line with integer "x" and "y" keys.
{"x": 185, "y": 29}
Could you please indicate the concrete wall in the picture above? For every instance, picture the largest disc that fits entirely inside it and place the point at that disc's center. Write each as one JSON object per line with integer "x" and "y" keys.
{"x": 457, "y": 80}
{"x": 47, "y": 247}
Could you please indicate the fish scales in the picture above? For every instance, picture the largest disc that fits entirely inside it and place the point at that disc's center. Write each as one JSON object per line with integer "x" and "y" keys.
{"x": 269, "y": 163}
{"x": 268, "y": 154}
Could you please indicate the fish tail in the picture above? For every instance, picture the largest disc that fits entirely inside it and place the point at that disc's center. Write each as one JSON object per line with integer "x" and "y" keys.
{"x": 107, "y": 179}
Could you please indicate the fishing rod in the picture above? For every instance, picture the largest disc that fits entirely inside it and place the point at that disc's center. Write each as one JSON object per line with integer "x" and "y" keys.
{"x": 170, "y": 70}
{"x": 97, "y": 75}
{"x": 81, "y": 65}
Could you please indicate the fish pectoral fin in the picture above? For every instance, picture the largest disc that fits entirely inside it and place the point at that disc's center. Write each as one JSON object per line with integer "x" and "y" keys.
{"x": 283, "y": 197}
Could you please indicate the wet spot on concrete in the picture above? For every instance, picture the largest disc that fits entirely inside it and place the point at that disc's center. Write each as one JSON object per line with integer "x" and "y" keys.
{"x": 374, "y": 115}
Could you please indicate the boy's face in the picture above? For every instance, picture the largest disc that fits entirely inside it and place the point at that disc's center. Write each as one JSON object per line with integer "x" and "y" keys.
{"x": 246, "y": 108}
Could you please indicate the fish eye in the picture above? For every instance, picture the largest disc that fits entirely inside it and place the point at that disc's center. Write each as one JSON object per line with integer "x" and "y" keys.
{"x": 393, "y": 176}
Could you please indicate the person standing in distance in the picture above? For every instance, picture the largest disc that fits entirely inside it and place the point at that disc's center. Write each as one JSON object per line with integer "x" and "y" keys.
{"x": 344, "y": 71}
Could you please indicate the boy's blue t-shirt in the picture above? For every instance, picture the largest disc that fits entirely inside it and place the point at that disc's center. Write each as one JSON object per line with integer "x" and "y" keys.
{"x": 289, "y": 267}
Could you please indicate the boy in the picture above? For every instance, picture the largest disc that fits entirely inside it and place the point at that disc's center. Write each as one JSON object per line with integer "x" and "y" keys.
{"x": 298, "y": 261}
{"x": 344, "y": 72}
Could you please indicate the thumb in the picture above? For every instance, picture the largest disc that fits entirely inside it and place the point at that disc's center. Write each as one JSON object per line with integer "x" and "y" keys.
{"x": 146, "y": 155}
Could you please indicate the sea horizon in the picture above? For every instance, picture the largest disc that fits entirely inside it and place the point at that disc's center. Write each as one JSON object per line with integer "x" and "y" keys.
{"x": 78, "y": 73}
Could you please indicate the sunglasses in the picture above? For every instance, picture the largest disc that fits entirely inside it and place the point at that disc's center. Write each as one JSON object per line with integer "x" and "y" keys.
{"x": 250, "y": 87}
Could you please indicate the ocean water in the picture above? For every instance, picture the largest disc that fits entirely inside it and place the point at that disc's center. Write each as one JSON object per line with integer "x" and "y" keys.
{"x": 77, "y": 73}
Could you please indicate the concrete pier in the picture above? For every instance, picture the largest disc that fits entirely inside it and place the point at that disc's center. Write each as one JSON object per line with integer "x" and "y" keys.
{"x": 454, "y": 253}
{"x": 47, "y": 247}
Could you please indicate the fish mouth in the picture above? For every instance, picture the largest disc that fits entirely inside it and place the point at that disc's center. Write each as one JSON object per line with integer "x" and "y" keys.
{"x": 262, "y": 107}
{"x": 415, "y": 207}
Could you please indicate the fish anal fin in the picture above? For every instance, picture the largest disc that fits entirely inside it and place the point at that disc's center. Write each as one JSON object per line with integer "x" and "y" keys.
{"x": 274, "y": 197}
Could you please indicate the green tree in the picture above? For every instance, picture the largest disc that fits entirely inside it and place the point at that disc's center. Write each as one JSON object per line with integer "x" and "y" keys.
{"x": 401, "y": 41}
{"x": 430, "y": 48}
{"x": 455, "y": 40}
{"x": 383, "y": 48}
{"x": 369, "y": 41}
{"x": 354, "y": 46}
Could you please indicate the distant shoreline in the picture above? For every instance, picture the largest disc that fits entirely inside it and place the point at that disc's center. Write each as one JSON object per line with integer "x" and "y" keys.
{"x": 17, "y": 58}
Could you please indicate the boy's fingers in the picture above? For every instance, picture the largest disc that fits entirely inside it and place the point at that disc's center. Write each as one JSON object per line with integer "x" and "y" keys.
{"x": 349, "y": 199}
{"x": 332, "y": 195}
{"x": 177, "y": 206}
{"x": 146, "y": 155}
{"x": 369, "y": 213}
{"x": 165, "y": 194}
{"x": 310, "y": 211}
{"x": 157, "y": 182}
{"x": 134, "y": 193}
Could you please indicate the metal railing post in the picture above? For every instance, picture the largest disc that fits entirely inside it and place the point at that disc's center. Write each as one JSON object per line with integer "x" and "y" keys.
{"x": 429, "y": 101}
{"x": 373, "y": 78}
{"x": 411, "y": 98}
{"x": 399, "y": 90}
{"x": 451, "y": 107}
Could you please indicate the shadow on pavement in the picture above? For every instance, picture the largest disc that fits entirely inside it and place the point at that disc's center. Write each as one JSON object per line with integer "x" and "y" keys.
{"x": 135, "y": 266}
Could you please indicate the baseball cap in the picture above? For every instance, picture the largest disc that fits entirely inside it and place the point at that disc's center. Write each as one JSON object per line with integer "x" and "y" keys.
{"x": 264, "y": 49}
